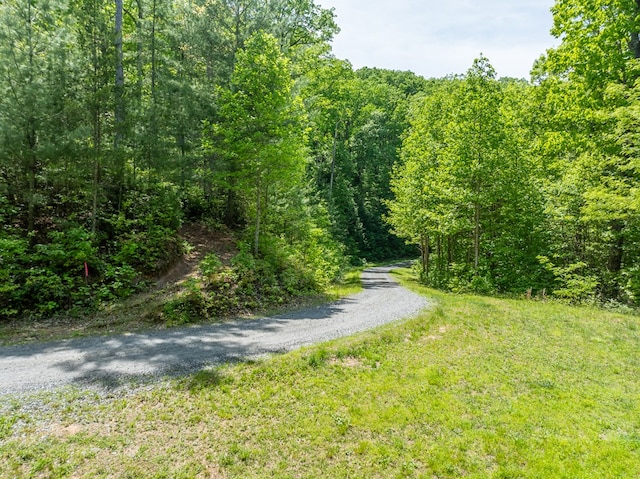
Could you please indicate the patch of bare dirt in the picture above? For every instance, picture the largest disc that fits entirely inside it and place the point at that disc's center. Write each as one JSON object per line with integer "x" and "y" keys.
{"x": 202, "y": 241}
{"x": 348, "y": 362}
{"x": 435, "y": 337}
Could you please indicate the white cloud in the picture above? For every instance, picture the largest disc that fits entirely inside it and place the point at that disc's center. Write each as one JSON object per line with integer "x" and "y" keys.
{"x": 439, "y": 37}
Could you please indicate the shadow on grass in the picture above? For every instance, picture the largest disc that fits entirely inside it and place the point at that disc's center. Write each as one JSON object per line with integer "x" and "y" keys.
{"x": 204, "y": 380}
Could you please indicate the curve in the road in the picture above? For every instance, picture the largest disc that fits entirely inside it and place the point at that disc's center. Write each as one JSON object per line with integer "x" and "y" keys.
{"x": 107, "y": 360}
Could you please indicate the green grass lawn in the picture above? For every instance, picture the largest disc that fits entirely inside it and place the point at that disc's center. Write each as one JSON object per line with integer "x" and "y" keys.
{"x": 477, "y": 387}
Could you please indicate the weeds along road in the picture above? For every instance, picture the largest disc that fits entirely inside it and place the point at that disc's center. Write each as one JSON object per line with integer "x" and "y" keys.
{"x": 113, "y": 360}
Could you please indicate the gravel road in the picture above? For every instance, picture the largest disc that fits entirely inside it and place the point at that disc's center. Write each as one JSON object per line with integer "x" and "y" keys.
{"x": 109, "y": 360}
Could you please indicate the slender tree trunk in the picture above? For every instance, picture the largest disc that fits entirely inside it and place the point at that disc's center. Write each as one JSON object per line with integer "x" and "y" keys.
{"x": 31, "y": 134}
{"x": 616, "y": 251}
{"x": 119, "y": 85}
{"x": 256, "y": 237}
{"x": 181, "y": 138}
{"x": 333, "y": 163}
{"x": 96, "y": 112}
{"x": 426, "y": 253}
{"x": 237, "y": 34}
{"x": 119, "y": 101}
{"x": 97, "y": 147}
{"x": 94, "y": 203}
{"x": 153, "y": 126}
{"x": 32, "y": 166}
{"x": 140, "y": 72}
{"x": 476, "y": 237}
{"x": 153, "y": 51}
{"x": 634, "y": 42}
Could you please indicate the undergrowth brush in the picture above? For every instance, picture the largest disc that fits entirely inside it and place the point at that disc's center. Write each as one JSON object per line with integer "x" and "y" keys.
{"x": 274, "y": 278}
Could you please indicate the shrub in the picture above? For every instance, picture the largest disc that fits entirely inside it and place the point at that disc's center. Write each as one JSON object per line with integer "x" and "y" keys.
{"x": 46, "y": 277}
{"x": 145, "y": 230}
{"x": 12, "y": 250}
{"x": 192, "y": 306}
{"x": 571, "y": 286}
{"x": 117, "y": 282}
{"x": 249, "y": 283}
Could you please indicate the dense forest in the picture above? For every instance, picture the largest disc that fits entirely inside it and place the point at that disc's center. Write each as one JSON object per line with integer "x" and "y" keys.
{"x": 122, "y": 121}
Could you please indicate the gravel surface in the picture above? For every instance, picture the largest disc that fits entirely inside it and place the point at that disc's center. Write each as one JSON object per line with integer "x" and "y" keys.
{"x": 112, "y": 361}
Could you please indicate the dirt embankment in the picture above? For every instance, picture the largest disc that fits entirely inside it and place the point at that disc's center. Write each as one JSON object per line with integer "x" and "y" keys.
{"x": 201, "y": 240}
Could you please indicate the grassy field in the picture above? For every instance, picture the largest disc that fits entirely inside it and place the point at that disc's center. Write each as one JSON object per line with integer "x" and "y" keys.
{"x": 477, "y": 388}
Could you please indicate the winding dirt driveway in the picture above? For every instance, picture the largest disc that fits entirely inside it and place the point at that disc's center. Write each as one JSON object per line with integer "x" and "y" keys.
{"x": 108, "y": 361}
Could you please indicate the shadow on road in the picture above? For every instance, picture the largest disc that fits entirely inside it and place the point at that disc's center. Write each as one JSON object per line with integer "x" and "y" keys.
{"x": 111, "y": 362}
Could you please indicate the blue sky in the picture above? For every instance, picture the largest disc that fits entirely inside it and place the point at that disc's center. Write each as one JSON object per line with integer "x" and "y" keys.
{"x": 434, "y": 38}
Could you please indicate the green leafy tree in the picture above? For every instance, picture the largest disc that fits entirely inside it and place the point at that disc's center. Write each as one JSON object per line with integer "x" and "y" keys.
{"x": 465, "y": 191}
{"x": 261, "y": 128}
{"x": 357, "y": 119}
{"x": 586, "y": 90}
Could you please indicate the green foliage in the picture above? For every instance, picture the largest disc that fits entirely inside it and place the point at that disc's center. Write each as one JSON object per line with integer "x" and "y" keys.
{"x": 146, "y": 230}
{"x": 281, "y": 273}
{"x": 631, "y": 276}
{"x": 149, "y": 251}
{"x": 210, "y": 265}
{"x": 12, "y": 250}
{"x": 260, "y": 129}
{"x": 275, "y": 276}
{"x": 357, "y": 119}
{"x": 234, "y": 113}
{"x": 117, "y": 282}
{"x": 46, "y": 277}
{"x": 125, "y": 164}
{"x": 466, "y": 191}
{"x": 193, "y": 306}
{"x": 322, "y": 255}
{"x": 588, "y": 103}
{"x": 572, "y": 285}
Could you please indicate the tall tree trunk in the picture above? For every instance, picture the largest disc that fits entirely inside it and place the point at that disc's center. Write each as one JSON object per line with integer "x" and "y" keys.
{"x": 333, "y": 163}
{"x": 31, "y": 135}
{"x": 616, "y": 251}
{"x": 426, "y": 253}
{"x": 96, "y": 119}
{"x": 119, "y": 85}
{"x": 97, "y": 152}
{"x": 476, "y": 236}
{"x": 256, "y": 237}
{"x": 634, "y": 42}
{"x": 32, "y": 173}
{"x": 153, "y": 51}
{"x": 153, "y": 126}
{"x": 119, "y": 101}
{"x": 96, "y": 185}
{"x": 139, "y": 72}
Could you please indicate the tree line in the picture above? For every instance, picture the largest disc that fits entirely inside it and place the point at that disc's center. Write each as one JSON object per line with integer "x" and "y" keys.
{"x": 121, "y": 121}
{"x": 512, "y": 186}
